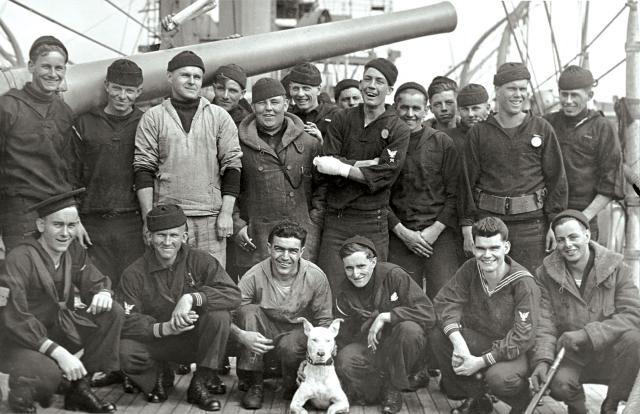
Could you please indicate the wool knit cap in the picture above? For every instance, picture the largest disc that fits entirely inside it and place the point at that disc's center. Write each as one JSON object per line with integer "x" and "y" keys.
{"x": 124, "y": 72}
{"x": 234, "y": 72}
{"x": 165, "y": 216}
{"x": 49, "y": 41}
{"x": 386, "y": 67}
{"x": 305, "y": 73}
{"x": 575, "y": 214}
{"x": 186, "y": 58}
{"x": 575, "y": 77}
{"x": 56, "y": 203}
{"x": 472, "y": 94}
{"x": 363, "y": 241}
{"x": 266, "y": 88}
{"x": 410, "y": 85}
{"x": 511, "y": 71}
{"x": 344, "y": 84}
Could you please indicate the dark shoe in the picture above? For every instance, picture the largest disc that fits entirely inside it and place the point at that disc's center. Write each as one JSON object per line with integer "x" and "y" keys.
{"x": 215, "y": 385}
{"x": 482, "y": 405}
{"x": 159, "y": 392}
{"x": 391, "y": 402}
{"x": 419, "y": 380}
{"x": 82, "y": 398}
{"x": 252, "y": 399}
{"x": 609, "y": 406}
{"x": 21, "y": 399}
{"x": 113, "y": 377}
{"x": 183, "y": 369}
{"x": 199, "y": 395}
{"x": 226, "y": 367}
{"x": 128, "y": 386}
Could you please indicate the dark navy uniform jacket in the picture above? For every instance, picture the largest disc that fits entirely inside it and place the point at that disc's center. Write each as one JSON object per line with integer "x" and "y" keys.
{"x": 511, "y": 167}
{"x": 592, "y": 156}
{"x": 427, "y": 188}
{"x": 387, "y": 138}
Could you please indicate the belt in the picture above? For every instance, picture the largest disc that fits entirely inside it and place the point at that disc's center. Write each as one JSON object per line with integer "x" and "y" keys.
{"x": 510, "y": 205}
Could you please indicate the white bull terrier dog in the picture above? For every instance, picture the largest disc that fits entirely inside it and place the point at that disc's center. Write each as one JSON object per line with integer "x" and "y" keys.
{"x": 321, "y": 384}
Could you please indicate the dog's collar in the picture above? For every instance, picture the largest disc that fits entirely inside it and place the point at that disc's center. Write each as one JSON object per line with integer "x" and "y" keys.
{"x": 327, "y": 362}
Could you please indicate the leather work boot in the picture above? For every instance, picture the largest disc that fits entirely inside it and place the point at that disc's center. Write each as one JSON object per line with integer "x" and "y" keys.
{"x": 198, "y": 394}
{"x": 128, "y": 386}
{"x": 183, "y": 369}
{"x": 109, "y": 378}
{"x": 21, "y": 399}
{"x": 392, "y": 401}
{"x": 482, "y": 405}
{"x": 82, "y": 398}
{"x": 252, "y": 399}
{"x": 215, "y": 385}
{"x": 159, "y": 392}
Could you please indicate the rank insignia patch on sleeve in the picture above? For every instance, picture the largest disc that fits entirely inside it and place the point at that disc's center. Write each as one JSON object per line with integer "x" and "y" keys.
{"x": 523, "y": 316}
{"x": 392, "y": 155}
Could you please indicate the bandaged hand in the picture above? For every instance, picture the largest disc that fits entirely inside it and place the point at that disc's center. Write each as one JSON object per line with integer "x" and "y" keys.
{"x": 331, "y": 166}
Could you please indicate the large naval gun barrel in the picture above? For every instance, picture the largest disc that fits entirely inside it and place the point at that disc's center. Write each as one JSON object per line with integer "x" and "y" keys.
{"x": 257, "y": 54}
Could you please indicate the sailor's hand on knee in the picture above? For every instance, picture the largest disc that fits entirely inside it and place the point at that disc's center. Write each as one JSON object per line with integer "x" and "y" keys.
{"x": 101, "y": 302}
{"x": 470, "y": 365}
{"x": 550, "y": 243}
{"x": 256, "y": 342}
{"x": 300, "y": 377}
{"x": 539, "y": 376}
{"x": 180, "y": 314}
{"x": 69, "y": 364}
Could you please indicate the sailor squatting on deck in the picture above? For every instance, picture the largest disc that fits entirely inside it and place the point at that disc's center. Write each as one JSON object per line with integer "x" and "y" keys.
{"x": 368, "y": 169}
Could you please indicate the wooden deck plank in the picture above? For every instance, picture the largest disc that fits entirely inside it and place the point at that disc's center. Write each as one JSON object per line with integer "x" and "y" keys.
{"x": 426, "y": 400}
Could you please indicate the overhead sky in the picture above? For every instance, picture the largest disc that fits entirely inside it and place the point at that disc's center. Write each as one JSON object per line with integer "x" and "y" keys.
{"x": 421, "y": 59}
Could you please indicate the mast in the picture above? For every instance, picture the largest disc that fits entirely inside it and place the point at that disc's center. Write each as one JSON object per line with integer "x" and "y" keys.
{"x": 632, "y": 142}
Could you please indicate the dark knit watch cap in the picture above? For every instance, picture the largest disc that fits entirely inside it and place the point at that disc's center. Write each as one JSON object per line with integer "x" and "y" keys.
{"x": 165, "y": 216}
{"x": 511, "y": 71}
{"x": 410, "y": 85}
{"x": 56, "y": 203}
{"x": 49, "y": 41}
{"x": 363, "y": 241}
{"x": 186, "y": 58}
{"x": 305, "y": 73}
{"x": 472, "y": 94}
{"x": 575, "y": 77}
{"x": 233, "y": 72}
{"x": 124, "y": 72}
{"x": 575, "y": 214}
{"x": 344, "y": 84}
{"x": 386, "y": 67}
{"x": 266, "y": 88}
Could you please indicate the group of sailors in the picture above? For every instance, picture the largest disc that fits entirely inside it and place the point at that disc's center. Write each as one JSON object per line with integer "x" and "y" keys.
{"x": 202, "y": 228}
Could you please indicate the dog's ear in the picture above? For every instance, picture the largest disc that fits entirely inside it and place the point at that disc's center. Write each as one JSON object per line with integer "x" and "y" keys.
{"x": 307, "y": 325}
{"x": 335, "y": 326}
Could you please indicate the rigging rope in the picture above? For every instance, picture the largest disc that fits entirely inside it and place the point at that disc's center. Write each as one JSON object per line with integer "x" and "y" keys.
{"x": 131, "y": 17}
{"x": 556, "y": 62}
{"x": 588, "y": 44}
{"x": 16, "y": 2}
{"x": 515, "y": 38}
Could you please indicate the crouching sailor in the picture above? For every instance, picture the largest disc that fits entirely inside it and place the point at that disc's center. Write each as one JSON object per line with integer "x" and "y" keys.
{"x": 177, "y": 301}
{"x": 43, "y": 324}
